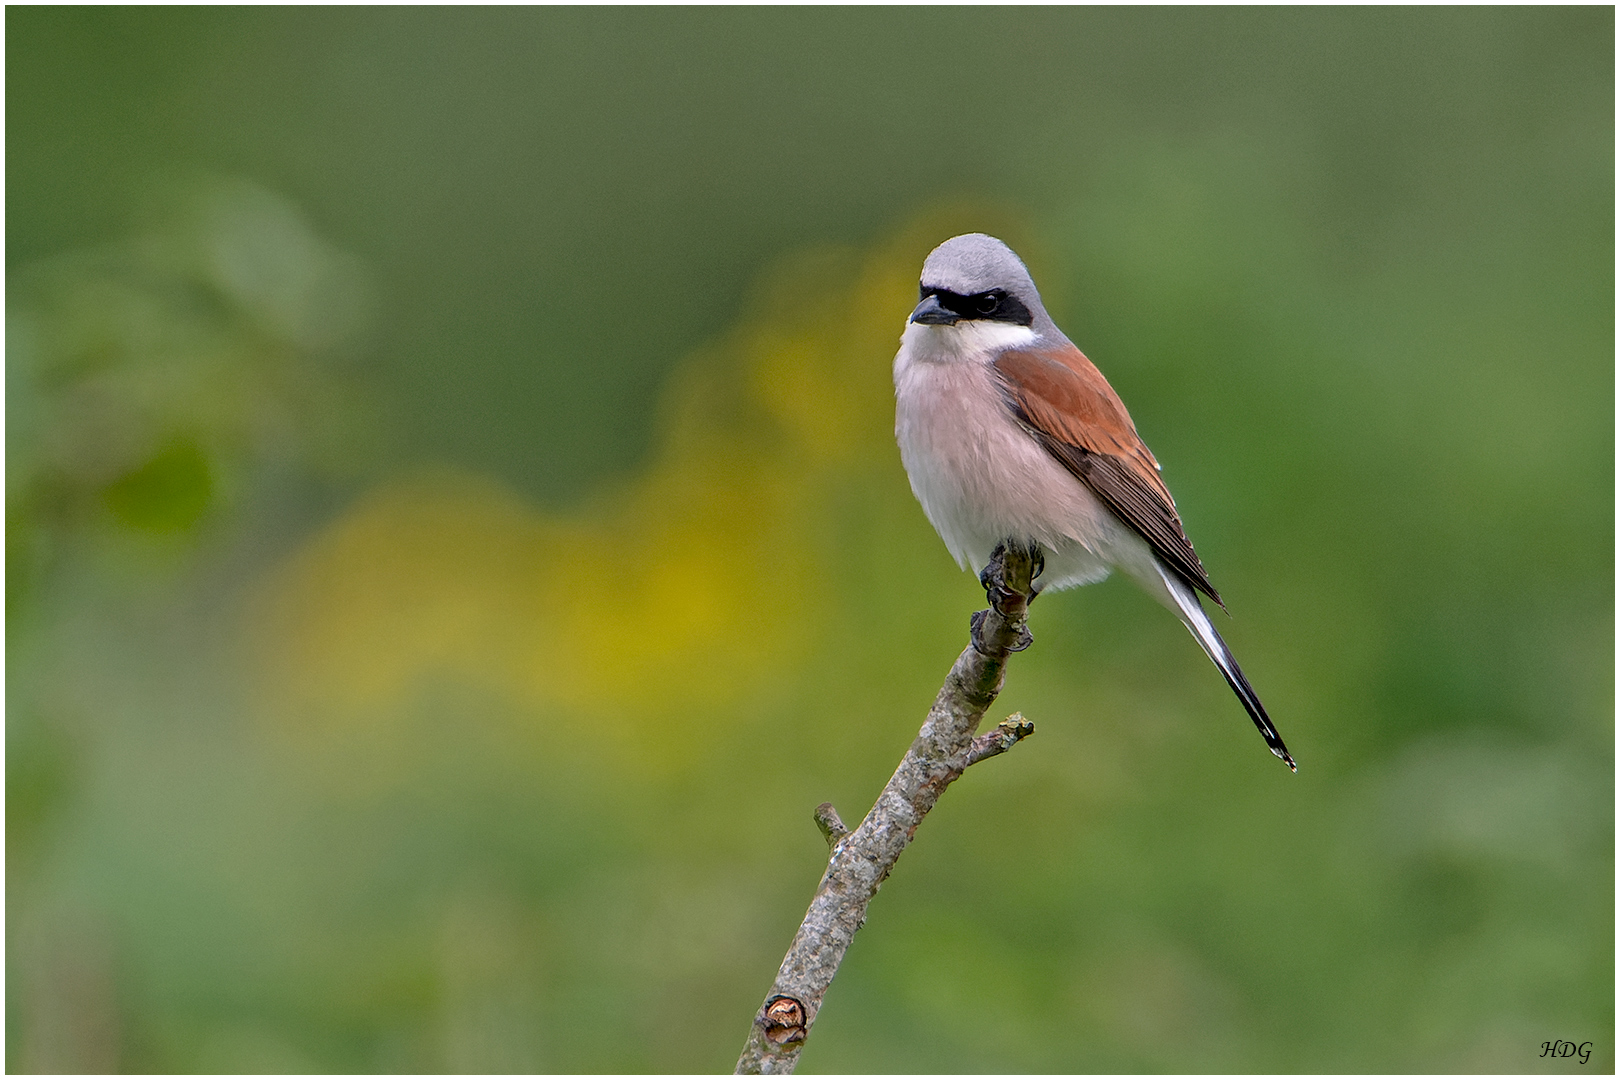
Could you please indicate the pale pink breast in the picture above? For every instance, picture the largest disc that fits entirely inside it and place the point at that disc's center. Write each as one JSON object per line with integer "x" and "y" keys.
{"x": 981, "y": 477}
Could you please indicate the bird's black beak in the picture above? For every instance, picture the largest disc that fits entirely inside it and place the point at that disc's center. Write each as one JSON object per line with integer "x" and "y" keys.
{"x": 931, "y": 313}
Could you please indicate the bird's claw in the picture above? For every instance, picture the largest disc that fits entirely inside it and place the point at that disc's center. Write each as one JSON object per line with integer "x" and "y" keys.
{"x": 994, "y": 584}
{"x": 983, "y": 647}
{"x": 1009, "y": 603}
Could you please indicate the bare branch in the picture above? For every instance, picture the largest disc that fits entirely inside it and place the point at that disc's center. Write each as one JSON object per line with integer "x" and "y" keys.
{"x": 861, "y": 859}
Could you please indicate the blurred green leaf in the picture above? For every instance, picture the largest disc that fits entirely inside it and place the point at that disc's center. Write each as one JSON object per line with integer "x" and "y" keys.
{"x": 169, "y": 493}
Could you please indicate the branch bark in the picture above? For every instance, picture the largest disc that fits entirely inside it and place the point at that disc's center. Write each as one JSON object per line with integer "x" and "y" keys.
{"x": 861, "y": 859}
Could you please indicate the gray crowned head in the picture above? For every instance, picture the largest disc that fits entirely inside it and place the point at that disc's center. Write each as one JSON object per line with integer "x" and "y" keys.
{"x": 978, "y": 277}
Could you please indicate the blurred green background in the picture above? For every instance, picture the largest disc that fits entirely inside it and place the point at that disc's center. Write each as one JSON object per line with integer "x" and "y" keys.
{"x": 455, "y": 537}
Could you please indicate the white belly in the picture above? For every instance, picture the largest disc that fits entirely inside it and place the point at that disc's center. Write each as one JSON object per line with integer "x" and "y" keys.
{"x": 982, "y": 479}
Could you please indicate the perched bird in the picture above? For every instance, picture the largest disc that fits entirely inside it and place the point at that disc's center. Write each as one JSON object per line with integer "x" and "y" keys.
{"x": 1011, "y": 436}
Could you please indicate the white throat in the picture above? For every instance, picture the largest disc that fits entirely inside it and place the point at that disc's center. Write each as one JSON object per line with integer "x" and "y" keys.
{"x": 970, "y": 340}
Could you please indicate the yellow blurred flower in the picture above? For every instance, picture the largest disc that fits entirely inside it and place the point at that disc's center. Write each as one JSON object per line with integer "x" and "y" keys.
{"x": 680, "y": 592}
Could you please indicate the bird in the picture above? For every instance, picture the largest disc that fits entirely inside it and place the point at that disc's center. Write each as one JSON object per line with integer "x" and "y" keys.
{"x": 1009, "y": 435}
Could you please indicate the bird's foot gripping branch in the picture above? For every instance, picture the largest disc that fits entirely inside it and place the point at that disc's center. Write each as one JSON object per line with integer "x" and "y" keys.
{"x": 1011, "y": 603}
{"x": 862, "y": 858}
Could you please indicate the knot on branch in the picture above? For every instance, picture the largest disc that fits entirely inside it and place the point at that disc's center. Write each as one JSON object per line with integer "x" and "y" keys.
{"x": 783, "y": 1021}
{"x": 1009, "y": 585}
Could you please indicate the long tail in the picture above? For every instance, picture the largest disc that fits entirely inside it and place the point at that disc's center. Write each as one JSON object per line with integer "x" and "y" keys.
{"x": 1193, "y": 615}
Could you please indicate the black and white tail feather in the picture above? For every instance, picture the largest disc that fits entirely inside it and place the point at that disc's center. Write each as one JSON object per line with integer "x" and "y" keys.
{"x": 1197, "y": 621}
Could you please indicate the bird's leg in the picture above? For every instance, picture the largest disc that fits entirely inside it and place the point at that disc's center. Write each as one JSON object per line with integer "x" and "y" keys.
{"x": 1010, "y": 575}
{"x": 1008, "y": 585}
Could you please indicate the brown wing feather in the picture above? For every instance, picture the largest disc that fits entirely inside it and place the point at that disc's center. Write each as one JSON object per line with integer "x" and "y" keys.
{"x": 1067, "y": 404}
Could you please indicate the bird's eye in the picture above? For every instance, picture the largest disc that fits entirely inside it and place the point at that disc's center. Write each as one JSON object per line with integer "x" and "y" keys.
{"x": 987, "y": 303}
